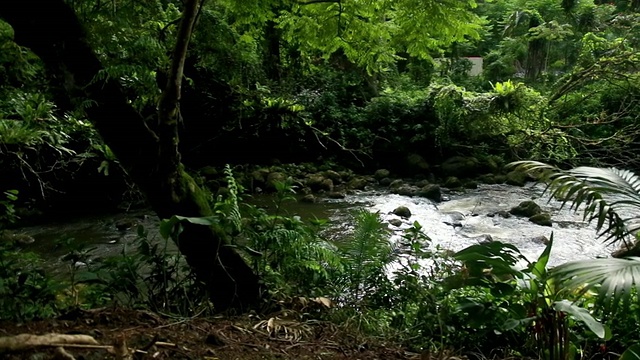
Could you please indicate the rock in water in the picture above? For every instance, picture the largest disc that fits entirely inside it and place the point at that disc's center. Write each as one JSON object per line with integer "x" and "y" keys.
{"x": 516, "y": 178}
{"x": 403, "y": 212}
{"x": 526, "y": 209}
{"x": 309, "y": 198}
{"x": 460, "y": 166}
{"x": 432, "y": 192}
{"x": 452, "y": 182}
{"x": 543, "y": 240}
{"x": 543, "y": 219}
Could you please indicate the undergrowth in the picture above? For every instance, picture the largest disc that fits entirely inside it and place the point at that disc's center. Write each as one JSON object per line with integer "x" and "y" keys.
{"x": 373, "y": 282}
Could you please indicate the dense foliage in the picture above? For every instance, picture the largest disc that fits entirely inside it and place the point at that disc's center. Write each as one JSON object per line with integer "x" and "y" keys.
{"x": 360, "y": 84}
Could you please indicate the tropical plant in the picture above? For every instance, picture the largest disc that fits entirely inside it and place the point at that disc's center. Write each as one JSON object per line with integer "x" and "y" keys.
{"x": 7, "y": 208}
{"x": 285, "y": 250}
{"x": 153, "y": 276}
{"x": 611, "y": 199}
{"x": 367, "y": 254}
{"x": 527, "y": 297}
{"x": 26, "y": 290}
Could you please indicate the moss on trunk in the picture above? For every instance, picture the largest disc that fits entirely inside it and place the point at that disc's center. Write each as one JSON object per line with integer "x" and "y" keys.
{"x": 51, "y": 30}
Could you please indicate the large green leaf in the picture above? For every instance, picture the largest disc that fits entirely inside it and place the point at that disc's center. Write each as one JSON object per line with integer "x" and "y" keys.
{"x": 615, "y": 280}
{"x": 582, "y": 315}
{"x": 500, "y": 258}
{"x": 539, "y": 268}
{"x": 632, "y": 353}
{"x": 168, "y": 226}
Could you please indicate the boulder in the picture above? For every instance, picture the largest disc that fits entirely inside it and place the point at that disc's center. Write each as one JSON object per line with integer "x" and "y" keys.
{"x": 484, "y": 239}
{"x": 396, "y": 184}
{"x": 385, "y": 181}
{"x": 381, "y": 174}
{"x": 416, "y": 164}
{"x": 542, "y": 219}
{"x": 274, "y": 178}
{"x": 346, "y": 175}
{"x": 395, "y": 222}
{"x": 543, "y": 240}
{"x": 334, "y": 176}
{"x": 260, "y": 176}
{"x": 431, "y": 191}
{"x": 500, "y": 179}
{"x": 309, "y": 168}
{"x": 526, "y": 209}
{"x": 317, "y": 182}
{"x": 627, "y": 250}
{"x": 460, "y": 166}
{"x": 516, "y": 178}
{"x": 357, "y": 183}
{"x": 454, "y": 218}
{"x": 309, "y": 198}
{"x": 452, "y": 182}
{"x": 336, "y": 195}
{"x": 327, "y": 185}
{"x": 492, "y": 163}
{"x": 487, "y": 179}
{"x": 471, "y": 185}
{"x": 405, "y": 190}
{"x": 402, "y": 211}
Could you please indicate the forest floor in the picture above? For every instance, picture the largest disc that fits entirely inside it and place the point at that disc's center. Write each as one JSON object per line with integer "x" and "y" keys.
{"x": 138, "y": 334}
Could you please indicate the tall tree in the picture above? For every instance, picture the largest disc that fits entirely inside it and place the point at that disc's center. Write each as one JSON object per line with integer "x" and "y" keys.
{"x": 147, "y": 150}
{"x": 369, "y": 34}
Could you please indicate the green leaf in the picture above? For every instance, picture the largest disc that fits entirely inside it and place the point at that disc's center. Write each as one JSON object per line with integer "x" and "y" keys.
{"x": 168, "y": 226}
{"x": 582, "y": 315}
{"x": 615, "y": 280}
{"x": 632, "y": 353}
{"x": 511, "y": 324}
{"x": 500, "y": 258}
{"x": 104, "y": 167}
{"x": 540, "y": 266}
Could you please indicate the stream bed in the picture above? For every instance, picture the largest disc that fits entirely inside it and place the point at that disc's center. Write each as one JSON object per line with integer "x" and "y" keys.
{"x": 464, "y": 219}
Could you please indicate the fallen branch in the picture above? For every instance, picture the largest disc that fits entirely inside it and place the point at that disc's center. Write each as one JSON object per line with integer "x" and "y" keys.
{"x": 28, "y": 341}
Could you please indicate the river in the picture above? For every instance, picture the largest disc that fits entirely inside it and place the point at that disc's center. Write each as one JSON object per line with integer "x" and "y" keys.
{"x": 463, "y": 220}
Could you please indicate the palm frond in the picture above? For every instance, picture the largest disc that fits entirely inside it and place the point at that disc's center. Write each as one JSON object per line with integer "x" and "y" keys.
{"x": 606, "y": 194}
{"x": 614, "y": 280}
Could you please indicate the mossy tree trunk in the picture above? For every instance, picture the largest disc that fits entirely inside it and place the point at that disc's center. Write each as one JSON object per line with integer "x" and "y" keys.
{"x": 149, "y": 152}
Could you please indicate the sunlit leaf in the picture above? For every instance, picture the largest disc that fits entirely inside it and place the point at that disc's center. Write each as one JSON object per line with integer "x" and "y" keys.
{"x": 581, "y": 315}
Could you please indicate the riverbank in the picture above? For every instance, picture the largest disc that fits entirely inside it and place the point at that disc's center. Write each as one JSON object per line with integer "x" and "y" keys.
{"x": 148, "y": 335}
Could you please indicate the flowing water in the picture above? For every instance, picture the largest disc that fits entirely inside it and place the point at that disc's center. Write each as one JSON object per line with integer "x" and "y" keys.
{"x": 467, "y": 218}
{"x": 463, "y": 220}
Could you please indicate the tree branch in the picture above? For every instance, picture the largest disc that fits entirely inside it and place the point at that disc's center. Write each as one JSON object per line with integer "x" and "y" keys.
{"x": 310, "y": 2}
{"x": 169, "y": 105}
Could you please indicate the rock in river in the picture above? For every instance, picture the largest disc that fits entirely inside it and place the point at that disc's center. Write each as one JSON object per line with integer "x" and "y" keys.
{"x": 402, "y": 211}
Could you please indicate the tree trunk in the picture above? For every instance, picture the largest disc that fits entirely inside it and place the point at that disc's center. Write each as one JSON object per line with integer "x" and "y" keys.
{"x": 52, "y": 30}
{"x": 272, "y": 61}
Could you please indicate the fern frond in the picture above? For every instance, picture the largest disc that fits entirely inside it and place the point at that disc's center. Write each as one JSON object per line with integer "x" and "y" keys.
{"x": 230, "y": 207}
